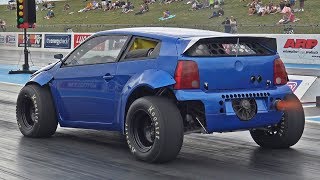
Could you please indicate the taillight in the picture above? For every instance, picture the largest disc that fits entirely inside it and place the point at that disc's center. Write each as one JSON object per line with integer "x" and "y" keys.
{"x": 187, "y": 75}
{"x": 280, "y": 76}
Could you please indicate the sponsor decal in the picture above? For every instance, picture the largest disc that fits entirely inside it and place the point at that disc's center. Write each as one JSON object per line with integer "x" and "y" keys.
{"x": 59, "y": 41}
{"x": 92, "y": 85}
{"x": 33, "y": 40}
{"x": 301, "y": 43}
{"x": 2, "y": 39}
{"x": 293, "y": 84}
{"x": 79, "y": 38}
{"x": 300, "y": 84}
{"x": 302, "y": 47}
{"x": 10, "y": 40}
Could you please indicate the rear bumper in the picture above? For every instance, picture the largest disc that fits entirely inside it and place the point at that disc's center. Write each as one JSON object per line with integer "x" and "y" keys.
{"x": 220, "y": 115}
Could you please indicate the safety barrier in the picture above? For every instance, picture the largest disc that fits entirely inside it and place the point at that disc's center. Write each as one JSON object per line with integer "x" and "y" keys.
{"x": 292, "y": 48}
{"x": 49, "y": 42}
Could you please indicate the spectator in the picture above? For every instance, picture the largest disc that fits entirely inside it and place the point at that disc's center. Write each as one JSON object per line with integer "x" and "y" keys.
{"x": 206, "y": 4}
{"x": 292, "y": 3}
{"x": 141, "y": 10}
{"x": 146, "y": 7}
{"x": 227, "y": 27}
{"x": 3, "y": 25}
{"x": 87, "y": 8}
{"x": 196, "y": 5}
{"x": 252, "y": 8}
{"x": 95, "y": 5}
{"x": 166, "y": 14}
{"x": 12, "y": 5}
{"x": 301, "y": 5}
{"x": 221, "y": 12}
{"x": 104, "y": 4}
{"x": 233, "y": 24}
{"x": 49, "y": 15}
{"x": 66, "y": 6}
{"x": 217, "y": 14}
{"x": 282, "y": 4}
{"x": 214, "y": 14}
{"x": 211, "y": 4}
{"x": 127, "y": 7}
{"x": 288, "y": 15}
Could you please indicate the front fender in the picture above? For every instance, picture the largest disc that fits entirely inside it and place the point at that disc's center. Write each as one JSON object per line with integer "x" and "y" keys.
{"x": 150, "y": 78}
{"x": 41, "y": 78}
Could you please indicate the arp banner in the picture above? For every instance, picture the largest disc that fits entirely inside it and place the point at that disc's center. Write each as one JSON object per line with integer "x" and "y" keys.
{"x": 33, "y": 40}
{"x": 58, "y": 41}
{"x": 79, "y": 38}
{"x": 300, "y": 48}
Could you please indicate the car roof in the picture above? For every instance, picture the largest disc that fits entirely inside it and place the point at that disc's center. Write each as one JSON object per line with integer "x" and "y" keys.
{"x": 164, "y": 31}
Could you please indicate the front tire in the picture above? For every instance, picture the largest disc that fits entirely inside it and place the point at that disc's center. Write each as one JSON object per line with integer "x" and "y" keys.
{"x": 35, "y": 112}
{"x": 154, "y": 129}
{"x": 287, "y": 133}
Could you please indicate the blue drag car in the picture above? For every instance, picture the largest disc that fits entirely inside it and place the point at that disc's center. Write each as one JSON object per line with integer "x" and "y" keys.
{"x": 155, "y": 84}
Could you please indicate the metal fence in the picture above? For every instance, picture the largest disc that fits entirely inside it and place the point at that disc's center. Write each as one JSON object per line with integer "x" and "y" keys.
{"x": 242, "y": 28}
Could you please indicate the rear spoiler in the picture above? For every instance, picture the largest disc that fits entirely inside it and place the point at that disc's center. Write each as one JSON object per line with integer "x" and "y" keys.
{"x": 268, "y": 42}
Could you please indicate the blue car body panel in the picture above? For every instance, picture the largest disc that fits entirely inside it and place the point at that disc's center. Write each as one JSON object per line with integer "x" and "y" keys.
{"x": 41, "y": 78}
{"x": 84, "y": 98}
{"x": 228, "y": 121}
{"x": 149, "y": 78}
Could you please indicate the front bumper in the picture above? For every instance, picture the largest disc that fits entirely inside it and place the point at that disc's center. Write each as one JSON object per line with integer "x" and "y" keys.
{"x": 220, "y": 115}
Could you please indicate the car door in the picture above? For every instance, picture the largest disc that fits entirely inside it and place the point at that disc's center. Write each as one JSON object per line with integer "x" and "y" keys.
{"x": 84, "y": 84}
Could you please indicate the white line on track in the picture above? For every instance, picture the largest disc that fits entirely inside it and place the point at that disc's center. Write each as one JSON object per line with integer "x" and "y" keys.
{"x": 11, "y": 83}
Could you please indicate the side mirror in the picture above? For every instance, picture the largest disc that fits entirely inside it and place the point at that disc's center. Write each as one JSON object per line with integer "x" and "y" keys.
{"x": 58, "y": 56}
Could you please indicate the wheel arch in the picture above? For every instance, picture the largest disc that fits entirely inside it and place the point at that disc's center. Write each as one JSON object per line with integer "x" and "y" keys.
{"x": 150, "y": 82}
{"x": 41, "y": 79}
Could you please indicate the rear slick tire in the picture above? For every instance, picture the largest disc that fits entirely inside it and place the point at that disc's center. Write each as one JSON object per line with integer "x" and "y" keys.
{"x": 35, "y": 112}
{"x": 287, "y": 133}
{"x": 154, "y": 129}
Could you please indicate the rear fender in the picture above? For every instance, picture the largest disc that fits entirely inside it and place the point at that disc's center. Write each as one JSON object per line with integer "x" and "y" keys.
{"x": 150, "y": 78}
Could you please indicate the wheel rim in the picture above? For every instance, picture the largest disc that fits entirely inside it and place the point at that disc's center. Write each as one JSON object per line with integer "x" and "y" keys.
{"x": 143, "y": 130}
{"x": 278, "y": 129}
{"x": 28, "y": 113}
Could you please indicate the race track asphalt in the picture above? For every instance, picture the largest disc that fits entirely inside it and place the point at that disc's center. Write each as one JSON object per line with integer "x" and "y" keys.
{"x": 90, "y": 154}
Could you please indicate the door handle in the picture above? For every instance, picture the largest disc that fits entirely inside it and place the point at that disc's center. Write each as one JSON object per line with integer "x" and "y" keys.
{"x": 107, "y": 76}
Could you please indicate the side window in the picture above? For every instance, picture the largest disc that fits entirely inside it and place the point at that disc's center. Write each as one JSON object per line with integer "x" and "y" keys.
{"x": 98, "y": 50}
{"x": 142, "y": 48}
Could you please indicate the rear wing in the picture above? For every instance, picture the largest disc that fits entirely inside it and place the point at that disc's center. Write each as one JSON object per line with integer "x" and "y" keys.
{"x": 228, "y": 46}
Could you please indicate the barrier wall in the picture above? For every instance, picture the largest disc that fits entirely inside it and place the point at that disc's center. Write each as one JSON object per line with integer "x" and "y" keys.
{"x": 50, "y": 42}
{"x": 292, "y": 48}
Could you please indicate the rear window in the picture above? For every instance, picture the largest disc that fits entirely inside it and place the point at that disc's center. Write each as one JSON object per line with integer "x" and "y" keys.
{"x": 228, "y": 47}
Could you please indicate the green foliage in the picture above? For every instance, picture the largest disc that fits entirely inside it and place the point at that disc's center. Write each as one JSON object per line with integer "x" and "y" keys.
{"x": 96, "y": 20}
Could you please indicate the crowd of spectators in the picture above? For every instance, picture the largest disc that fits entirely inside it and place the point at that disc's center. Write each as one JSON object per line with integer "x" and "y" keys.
{"x": 287, "y": 8}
